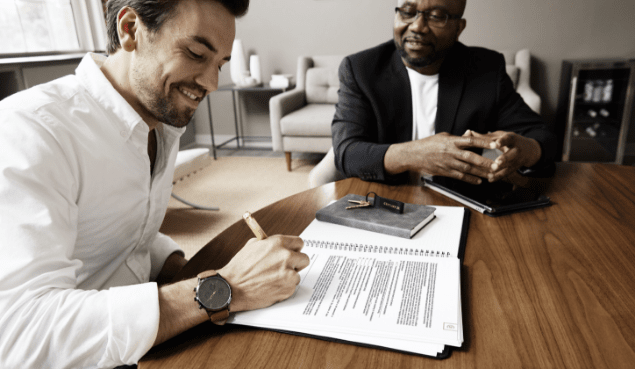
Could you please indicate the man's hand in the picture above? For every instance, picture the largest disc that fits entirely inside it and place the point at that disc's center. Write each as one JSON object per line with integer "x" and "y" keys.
{"x": 265, "y": 272}
{"x": 518, "y": 151}
{"x": 262, "y": 273}
{"x": 441, "y": 155}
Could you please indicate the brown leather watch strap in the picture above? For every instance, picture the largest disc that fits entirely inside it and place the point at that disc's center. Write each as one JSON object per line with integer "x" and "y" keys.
{"x": 219, "y": 317}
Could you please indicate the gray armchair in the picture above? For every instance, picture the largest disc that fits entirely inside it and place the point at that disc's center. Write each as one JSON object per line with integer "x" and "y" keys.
{"x": 301, "y": 118}
{"x": 518, "y": 67}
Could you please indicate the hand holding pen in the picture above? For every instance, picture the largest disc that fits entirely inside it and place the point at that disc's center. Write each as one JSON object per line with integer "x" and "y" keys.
{"x": 265, "y": 270}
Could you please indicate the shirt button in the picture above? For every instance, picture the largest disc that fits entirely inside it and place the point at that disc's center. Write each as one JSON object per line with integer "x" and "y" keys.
{"x": 123, "y": 133}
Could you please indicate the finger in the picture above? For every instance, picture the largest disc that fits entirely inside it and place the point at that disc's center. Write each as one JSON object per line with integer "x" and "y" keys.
{"x": 475, "y": 160}
{"x": 293, "y": 243}
{"x": 479, "y": 135}
{"x": 507, "y": 139}
{"x": 496, "y": 176}
{"x": 490, "y": 138}
{"x": 472, "y": 169}
{"x": 472, "y": 141}
{"x": 461, "y": 176}
{"x": 508, "y": 158}
{"x": 299, "y": 261}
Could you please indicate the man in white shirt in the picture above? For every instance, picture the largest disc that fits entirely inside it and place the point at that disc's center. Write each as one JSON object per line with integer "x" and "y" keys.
{"x": 85, "y": 176}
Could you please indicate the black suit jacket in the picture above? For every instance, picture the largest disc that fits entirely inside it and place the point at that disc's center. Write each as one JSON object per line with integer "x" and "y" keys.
{"x": 374, "y": 109}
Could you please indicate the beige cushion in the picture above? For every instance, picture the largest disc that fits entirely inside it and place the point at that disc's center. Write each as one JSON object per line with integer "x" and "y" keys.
{"x": 310, "y": 120}
{"x": 513, "y": 72}
{"x": 322, "y": 85}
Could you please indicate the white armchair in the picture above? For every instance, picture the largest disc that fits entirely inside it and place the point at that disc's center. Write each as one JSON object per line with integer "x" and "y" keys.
{"x": 301, "y": 118}
{"x": 518, "y": 67}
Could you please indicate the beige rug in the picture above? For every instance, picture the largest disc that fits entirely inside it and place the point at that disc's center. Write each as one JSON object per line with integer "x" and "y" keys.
{"x": 236, "y": 185}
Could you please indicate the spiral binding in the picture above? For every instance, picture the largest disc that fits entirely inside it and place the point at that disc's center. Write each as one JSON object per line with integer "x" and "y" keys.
{"x": 344, "y": 246}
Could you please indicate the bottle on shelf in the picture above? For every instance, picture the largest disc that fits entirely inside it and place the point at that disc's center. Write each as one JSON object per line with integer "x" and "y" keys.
{"x": 598, "y": 89}
{"x": 588, "y": 91}
{"x": 607, "y": 91}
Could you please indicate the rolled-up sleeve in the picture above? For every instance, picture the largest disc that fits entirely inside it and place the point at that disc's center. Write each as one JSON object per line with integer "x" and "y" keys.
{"x": 162, "y": 247}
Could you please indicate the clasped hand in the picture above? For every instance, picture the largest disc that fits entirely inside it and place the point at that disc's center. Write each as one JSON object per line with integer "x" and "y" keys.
{"x": 449, "y": 156}
{"x": 265, "y": 272}
{"x": 518, "y": 151}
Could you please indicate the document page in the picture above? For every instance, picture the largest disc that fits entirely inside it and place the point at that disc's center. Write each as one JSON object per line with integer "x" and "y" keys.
{"x": 411, "y": 298}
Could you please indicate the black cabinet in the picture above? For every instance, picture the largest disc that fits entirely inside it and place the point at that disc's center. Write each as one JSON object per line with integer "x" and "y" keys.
{"x": 595, "y": 110}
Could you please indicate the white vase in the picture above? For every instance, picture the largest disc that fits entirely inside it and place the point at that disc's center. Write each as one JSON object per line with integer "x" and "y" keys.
{"x": 254, "y": 68}
{"x": 237, "y": 64}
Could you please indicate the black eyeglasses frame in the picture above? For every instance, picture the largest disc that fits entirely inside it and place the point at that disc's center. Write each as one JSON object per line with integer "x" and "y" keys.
{"x": 426, "y": 15}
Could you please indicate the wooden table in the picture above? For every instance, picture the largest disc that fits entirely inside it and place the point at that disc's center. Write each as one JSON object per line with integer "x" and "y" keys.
{"x": 553, "y": 287}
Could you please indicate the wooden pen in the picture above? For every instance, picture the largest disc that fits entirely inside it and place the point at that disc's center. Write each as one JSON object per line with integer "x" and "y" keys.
{"x": 255, "y": 227}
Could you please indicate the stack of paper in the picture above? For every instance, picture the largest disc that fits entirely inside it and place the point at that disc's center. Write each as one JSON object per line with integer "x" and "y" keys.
{"x": 375, "y": 289}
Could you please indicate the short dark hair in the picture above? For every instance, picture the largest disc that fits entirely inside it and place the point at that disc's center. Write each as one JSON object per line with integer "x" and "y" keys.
{"x": 154, "y": 14}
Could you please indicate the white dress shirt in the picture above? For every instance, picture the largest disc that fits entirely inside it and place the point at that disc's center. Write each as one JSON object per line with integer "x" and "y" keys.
{"x": 425, "y": 95}
{"x": 79, "y": 219}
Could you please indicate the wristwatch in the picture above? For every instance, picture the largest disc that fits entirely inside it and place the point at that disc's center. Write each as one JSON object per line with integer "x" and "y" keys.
{"x": 213, "y": 294}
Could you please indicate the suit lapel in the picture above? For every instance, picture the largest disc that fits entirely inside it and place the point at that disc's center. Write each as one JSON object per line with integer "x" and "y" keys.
{"x": 402, "y": 97}
{"x": 451, "y": 85}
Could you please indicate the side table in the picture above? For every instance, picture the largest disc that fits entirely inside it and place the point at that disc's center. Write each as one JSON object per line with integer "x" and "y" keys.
{"x": 236, "y": 90}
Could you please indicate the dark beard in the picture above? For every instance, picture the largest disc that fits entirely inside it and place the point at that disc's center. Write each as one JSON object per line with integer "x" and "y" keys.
{"x": 162, "y": 107}
{"x": 166, "y": 113}
{"x": 415, "y": 62}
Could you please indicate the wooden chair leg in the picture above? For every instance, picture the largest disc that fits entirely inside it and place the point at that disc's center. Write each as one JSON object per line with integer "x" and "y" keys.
{"x": 287, "y": 155}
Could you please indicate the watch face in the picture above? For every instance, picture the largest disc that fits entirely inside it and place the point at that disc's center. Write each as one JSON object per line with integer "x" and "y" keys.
{"x": 214, "y": 293}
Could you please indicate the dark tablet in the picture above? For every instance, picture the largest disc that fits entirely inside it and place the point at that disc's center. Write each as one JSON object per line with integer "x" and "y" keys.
{"x": 493, "y": 199}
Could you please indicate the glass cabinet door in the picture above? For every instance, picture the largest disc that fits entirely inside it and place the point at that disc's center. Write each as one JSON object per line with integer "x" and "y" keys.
{"x": 598, "y": 104}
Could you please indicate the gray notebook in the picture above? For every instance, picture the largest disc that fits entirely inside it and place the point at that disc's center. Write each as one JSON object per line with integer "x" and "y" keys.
{"x": 377, "y": 219}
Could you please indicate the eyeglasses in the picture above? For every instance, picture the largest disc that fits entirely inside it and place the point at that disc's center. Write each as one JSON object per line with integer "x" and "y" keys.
{"x": 437, "y": 18}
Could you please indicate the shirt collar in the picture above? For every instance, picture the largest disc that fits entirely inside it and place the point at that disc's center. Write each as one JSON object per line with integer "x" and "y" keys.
{"x": 100, "y": 89}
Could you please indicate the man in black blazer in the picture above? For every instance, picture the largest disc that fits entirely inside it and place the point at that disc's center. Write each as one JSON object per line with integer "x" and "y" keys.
{"x": 477, "y": 106}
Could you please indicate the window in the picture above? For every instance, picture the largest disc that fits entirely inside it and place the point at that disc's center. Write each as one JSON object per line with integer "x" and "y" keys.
{"x": 51, "y": 26}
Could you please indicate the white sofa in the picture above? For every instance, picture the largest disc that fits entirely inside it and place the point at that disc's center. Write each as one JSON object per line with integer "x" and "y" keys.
{"x": 518, "y": 65}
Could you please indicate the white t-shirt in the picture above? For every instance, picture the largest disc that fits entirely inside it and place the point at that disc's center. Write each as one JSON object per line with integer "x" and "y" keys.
{"x": 79, "y": 224}
{"x": 425, "y": 93}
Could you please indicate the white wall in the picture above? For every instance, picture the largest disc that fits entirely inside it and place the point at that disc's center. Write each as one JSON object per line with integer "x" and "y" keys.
{"x": 280, "y": 31}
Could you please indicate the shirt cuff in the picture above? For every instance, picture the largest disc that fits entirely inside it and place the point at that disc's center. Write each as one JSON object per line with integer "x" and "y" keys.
{"x": 162, "y": 247}
{"x": 133, "y": 314}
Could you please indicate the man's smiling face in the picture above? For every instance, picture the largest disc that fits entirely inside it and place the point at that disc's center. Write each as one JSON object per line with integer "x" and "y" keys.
{"x": 175, "y": 68}
{"x": 421, "y": 46}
